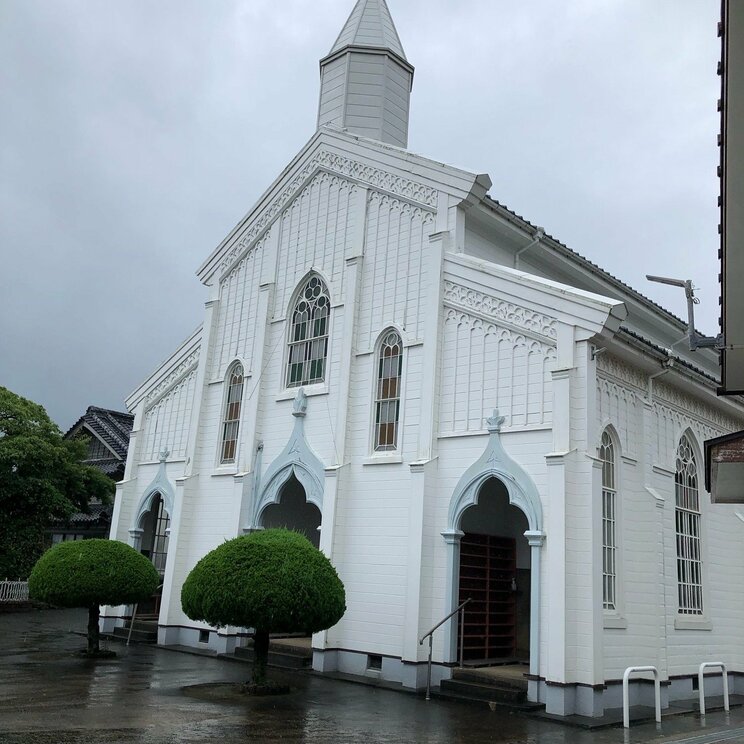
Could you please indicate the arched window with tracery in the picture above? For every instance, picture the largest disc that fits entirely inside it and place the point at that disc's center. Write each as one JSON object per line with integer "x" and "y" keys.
{"x": 609, "y": 522}
{"x": 687, "y": 522}
{"x": 231, "y": 416}
{"x": 387, "y": 393}
{"x": 308, "y": 335}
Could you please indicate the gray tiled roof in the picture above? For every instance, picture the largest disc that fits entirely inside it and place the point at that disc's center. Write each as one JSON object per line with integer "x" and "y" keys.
{"x": 595, "y": 268}
{"x": 112, "y": 427}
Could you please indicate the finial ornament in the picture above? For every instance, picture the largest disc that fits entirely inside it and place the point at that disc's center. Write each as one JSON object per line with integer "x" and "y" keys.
{"x": 494, "y": 422}
{"x": 299, "y": 407}
{"x": 164, "y": 454}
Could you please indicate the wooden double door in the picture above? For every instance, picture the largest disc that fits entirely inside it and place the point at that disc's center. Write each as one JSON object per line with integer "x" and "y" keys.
{"x": 488, "y": 571}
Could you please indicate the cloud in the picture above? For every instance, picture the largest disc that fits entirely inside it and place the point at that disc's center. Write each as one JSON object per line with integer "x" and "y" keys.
{"x": 135, "y": 135}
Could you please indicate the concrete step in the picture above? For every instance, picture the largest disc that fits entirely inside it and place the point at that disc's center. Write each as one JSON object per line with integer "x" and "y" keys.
{"x": 492, "y": 676}
{"x": 284, "y": 656}
{"x": 138, "y": 636}
{"x": 488, "y": 692}
{"x": 149, "y": 626}
{"x": 525, "y": 707}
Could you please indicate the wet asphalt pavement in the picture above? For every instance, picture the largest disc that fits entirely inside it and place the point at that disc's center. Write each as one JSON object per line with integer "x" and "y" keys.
{"x": 152, "y": 695}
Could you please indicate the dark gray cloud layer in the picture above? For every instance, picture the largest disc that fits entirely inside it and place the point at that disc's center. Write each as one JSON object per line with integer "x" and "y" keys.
{"x": 134, "y": 135}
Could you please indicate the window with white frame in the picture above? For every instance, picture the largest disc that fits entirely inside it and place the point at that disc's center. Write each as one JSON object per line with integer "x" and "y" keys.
{"x": 231, "y": 417}
{"x": 687, "y": 521}
{"x": 387, "y": 393}
{"x": 308, "y": 335}
{"x": 609, "y": 522}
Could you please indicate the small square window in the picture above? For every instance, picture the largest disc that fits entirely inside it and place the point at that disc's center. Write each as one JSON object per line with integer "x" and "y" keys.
{"x": 374, "y": 662}
{"x": 203, "y": 636}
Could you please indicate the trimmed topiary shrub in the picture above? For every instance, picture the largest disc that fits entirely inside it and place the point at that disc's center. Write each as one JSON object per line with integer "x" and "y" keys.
{"x": 90, "y": 573}
{"x": 274, "y": 581}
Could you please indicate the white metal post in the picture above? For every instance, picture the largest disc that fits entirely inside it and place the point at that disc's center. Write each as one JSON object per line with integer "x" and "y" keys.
{"x": 701, "y": 683}
{"x": 657, "y": 692}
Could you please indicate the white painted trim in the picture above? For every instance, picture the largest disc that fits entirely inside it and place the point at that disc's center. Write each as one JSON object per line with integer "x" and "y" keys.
{"x": 395, "y": 458}
{"x": 310, "y": 391}
{"x": 685, "y": 622}
{"x": 495, "y": 463}
{"x": 159, "y": 485}
{"x": 298, "y": 459}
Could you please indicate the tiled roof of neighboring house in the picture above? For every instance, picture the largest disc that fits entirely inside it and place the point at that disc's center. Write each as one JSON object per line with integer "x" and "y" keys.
{"x": 108, "y": 467}
{"x": 98, "y": 513}
{"x": 113, "y": 427}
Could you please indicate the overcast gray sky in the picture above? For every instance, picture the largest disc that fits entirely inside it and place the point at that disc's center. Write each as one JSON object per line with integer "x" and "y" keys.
{"x": 134, "y": 134}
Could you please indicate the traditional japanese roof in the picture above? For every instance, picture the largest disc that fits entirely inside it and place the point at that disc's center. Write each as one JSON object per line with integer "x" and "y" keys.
{"x": 99, "y": 513}
{"x": 111, "y": 427}
{"x": 369, "y": 25}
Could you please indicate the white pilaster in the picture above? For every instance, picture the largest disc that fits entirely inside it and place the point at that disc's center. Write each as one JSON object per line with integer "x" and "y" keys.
{"x": 433, "y": 314}
{"x": 244, "y": 481}
{"x": 411, "y": 648}
{"x": 535, "y": 540}
{"x": 452, "y": 540}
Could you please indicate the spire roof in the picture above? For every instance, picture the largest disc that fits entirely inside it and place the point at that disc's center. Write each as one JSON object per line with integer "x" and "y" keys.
{"x": 369, "y": 25}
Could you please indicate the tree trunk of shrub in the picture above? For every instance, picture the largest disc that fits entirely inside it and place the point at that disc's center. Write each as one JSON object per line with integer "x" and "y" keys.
{"x": 260, "y": 656}
{"x": 93, "y": 634}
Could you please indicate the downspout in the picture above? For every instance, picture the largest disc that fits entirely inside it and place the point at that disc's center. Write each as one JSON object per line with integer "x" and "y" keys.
{"x": 667, "y": 364}
{"x": 537, "y": 237}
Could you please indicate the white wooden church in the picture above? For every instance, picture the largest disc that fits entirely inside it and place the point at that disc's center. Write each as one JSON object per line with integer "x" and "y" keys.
{"x": 452, "y": 405}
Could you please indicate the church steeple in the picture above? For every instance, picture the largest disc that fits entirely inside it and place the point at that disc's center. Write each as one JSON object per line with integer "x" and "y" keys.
{"x": 366, "y": 80}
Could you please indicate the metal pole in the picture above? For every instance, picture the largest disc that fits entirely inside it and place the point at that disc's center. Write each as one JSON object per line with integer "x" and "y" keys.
{"x": 428, "y": 673}
{"x": 462, "y": 635}
{"x": 131, "y": 623}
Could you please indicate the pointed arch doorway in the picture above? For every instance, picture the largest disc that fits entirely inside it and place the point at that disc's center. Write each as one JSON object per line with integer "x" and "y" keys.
{"x": 293, "y": 511}
{"x": 154, "y": 526}
{"x": 494, "y": 574}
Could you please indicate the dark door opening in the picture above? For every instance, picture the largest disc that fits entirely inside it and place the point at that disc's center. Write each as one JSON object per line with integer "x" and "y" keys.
{"x": 488, "y": 572}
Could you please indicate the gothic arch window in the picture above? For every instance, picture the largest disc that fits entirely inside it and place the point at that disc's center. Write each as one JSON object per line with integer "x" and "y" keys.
{"x": 308, "y": 334}
{"x": 231, "y": 415}
{"x": 687, "y": 518}
{"x": 607, "y": 454}
{"x": 387, "y": 392}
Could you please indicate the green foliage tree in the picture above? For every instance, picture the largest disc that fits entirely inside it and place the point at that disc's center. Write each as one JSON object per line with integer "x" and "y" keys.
{"x": 89, "y": 573}
{"x": 41, "y": 479}
{"x": 273, "y": 581}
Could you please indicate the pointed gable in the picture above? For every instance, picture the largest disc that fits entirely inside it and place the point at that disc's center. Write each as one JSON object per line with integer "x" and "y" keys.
{"x": 369, "y": 25}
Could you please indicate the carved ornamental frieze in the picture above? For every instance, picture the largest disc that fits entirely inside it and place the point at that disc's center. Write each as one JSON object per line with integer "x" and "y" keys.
{"x": 613, "y": 367}
{"x": 335, "y": 163}
{"x": 179, "y": 373}
{"x": 497, "y": 309}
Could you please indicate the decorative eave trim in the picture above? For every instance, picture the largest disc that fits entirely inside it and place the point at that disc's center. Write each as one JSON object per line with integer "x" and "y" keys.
{"x": 259, "y": 219}
{"x": 500, "y": 312}
{"x": 168, "y": 368}
{"x": 178, "y": 375}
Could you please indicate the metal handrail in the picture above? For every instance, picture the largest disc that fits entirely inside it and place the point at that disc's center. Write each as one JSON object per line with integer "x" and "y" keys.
{"x": 430, "y": 635}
